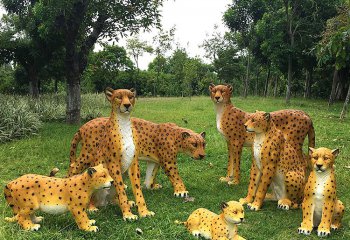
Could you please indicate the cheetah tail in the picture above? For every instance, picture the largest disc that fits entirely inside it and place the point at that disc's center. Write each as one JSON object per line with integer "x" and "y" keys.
{"x": 179, "y": 222}
{"x": 311, "y": 136}
{"x": 53, "y": 172}
{"x": 74, "y": 146}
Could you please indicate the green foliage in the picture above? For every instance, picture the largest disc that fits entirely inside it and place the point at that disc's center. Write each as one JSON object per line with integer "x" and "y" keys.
{"x": 334, "y": 46}
{"x": 50, "y": 148}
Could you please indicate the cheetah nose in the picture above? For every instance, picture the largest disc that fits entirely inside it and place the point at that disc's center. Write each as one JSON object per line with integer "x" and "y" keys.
{"x": 242, "y": 219}
{"x": 127, "y": 105}
{"x": 319, "y": 166}
{"x": 112, "y": 182}
{"x": 201, "y": 156}
{"x": 217, "y": 98}
{"x": 245, "y": 126}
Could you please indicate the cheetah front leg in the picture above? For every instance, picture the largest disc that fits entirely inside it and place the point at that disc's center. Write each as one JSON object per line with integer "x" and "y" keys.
{"x": 263, "y": 185}
{"x": 308, "y": 215}
{"x": 324, "y": 229}
{"x": 24, "y": 219}
{"x": 82, "y": 219}
{"x": 179, "y": 187}
{"x": 233, "y": 168}
{"x": 114, "y": 169}
{"x": 134, "y": 174}
{"x": 255, "y": 176}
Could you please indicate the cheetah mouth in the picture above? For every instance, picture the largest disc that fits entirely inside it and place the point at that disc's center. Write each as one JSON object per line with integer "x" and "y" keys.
{"x": 250, "y": 131}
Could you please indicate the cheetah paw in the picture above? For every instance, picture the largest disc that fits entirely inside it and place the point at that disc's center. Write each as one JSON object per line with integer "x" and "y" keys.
{"x": 233, "y": 182}
{"x": 253, "y": 207}
{"x": 304, "y": 231}
{"x": 181, "y": 194}
{"x": 92, "y": 209}
{"x": 132, "y": 203}
{"x": 147, "y": 214}
{"x": 283, "y": 204}
{"x": 323, "y": 232}
{"x": 225, "y": 179}
{"x": 156, "y": 186}
{"x": 335, "y": 227}
{"x": 129, "y": 217}
{"x": 92, "y": 229}
{"x": 196, "y": 233}
{"x": 37, "y": 219}
{"x": 35, "y": 227}
{"x": 92, "y": 222}
{"x": 244, "y": 201}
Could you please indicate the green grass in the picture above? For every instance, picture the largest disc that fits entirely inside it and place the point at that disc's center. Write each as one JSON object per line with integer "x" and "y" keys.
{"x": 50, "y": 148}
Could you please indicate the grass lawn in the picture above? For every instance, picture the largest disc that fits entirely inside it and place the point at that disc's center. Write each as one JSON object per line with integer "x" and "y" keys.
{"x": 50, "y": 148}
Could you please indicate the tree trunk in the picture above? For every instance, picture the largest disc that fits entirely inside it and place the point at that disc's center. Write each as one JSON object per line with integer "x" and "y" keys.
{"x": 267, "y": 81}
{"x": 246, "y": 80}
{"x": 289, "y": 82}
{"x": 33, "y": 82}
{"x": 346, "y": 103}
{"x": 334, "y": 87}
{"x": 275, "y": 88}
{"x": 308, "y": 82}
{"x": 73, "y": 100}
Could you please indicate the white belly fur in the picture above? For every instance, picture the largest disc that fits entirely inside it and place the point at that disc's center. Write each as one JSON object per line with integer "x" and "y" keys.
{"x": 53, "y": 209}
{"x": 278, "y": 186}
{"x": 321, "y": 180}
{"x": 127, "y": 141}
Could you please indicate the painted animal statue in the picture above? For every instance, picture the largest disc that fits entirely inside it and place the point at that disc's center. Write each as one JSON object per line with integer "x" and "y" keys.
{"x": 32, "y": 192}
{"x": 321, "y": 207}
{"x": 294, "y": 124}
{"x": 117, "y": 149}
{"x": 276, "y": 164}
{"x": 209, "y": 225}
{"x": 159, "y": 145}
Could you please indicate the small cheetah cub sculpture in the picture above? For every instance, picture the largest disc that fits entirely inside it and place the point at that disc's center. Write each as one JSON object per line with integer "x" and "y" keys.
{"x": 32, "y": 192}
{"x": 321, "y": 208}
{"x": 204, "y": 223}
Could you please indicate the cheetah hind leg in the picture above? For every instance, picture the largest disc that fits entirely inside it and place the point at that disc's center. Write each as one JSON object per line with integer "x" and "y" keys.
{"x": 12, "y": 219}
{"x": 337, "y": 215}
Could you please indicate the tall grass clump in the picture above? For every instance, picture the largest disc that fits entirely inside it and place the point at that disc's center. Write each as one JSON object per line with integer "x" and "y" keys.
{"x": 93, "y": 105}
{"x": 17, "y": 118}
{"x": 49, "y": 107}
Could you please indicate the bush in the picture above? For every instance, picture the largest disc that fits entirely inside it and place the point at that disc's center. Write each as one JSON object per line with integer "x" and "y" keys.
{"x": 17, "y": 118}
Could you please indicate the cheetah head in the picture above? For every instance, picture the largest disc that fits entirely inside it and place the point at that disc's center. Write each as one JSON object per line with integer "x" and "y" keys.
{"x": 258, "y": 122}
{"x": 122, "y": 100}
{"x": 99, "y": 177}
{"x": 233, "y": 212}
{"x": 220, "y": 93}
{"x": 322, "y": 159}
{"x": 193, "y": 144}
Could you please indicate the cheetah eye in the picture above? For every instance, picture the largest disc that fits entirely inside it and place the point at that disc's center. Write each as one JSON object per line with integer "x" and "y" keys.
{"x": 325, "y": 158}
{"x": 253, "y": 120}
{"x": 194, "y": 144}
{"x": 235, "y": 212}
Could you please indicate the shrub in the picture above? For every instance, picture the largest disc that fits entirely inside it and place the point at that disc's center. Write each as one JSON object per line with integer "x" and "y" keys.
{"x": 16, "y": 118}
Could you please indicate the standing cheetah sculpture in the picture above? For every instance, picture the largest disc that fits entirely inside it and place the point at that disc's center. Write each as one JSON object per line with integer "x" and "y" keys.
{"x": 294, "y": 124}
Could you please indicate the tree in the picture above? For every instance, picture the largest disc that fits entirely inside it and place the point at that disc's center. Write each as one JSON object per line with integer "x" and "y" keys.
{"x": 334, "y": 47}
{"x": 21, "y": 41}
{"x": 81, "y": 23}
{"x": 136, "y": 48}
{"x": 104, "y": 67}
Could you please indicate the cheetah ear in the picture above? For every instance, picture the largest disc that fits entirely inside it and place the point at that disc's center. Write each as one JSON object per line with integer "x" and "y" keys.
{"x": 91, "y": 171}
{"x": 224, "y": 205}
{"x": 335, "y": 152}
{"x": 267, "y": 116}
{"x": 109, "y": 93}
{"x": 230, "y": 88}
{"x": 311, "y": 150}
{"x": 185, "y": 135}
{"x": 211, "y": 86}
{"x": 133, "y": 90}
{"x": 203, "y": 134}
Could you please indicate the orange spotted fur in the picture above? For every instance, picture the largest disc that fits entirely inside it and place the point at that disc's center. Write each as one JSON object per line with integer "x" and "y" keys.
{"x": 32, "y": 192}
{"x": 118, "y": 151}
{"x": 204, "y": 223}
{"x": 321, "y": 207}
{"x": 275, "y": 162}
{"x": 294, "y": 124}
{"x": 158, "y": 144}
